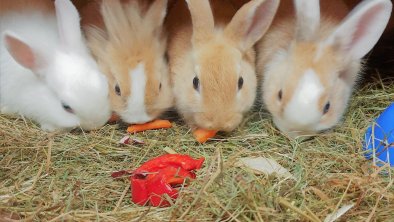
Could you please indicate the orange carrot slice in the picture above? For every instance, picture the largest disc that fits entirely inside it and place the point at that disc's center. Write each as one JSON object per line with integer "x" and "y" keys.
{"x": 155, "y": 124}
{"x": 114, "y": 118}
{"x": 202, "y": 135}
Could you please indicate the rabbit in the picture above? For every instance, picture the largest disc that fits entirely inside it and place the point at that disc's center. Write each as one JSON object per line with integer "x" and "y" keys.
{"x": 129, "y": 43}
{"x": 46, "y": 71}
{"x": 310, "y": 60}
{"x": 212, "y": 60}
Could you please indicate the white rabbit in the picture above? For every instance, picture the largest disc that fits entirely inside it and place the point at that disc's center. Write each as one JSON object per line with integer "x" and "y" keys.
{"x": 310, "y": 62}
{"x": 46, "y": 71}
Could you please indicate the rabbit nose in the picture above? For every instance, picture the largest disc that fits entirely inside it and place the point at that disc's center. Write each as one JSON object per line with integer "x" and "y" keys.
{"x": 228, "y": 127}
{"x": 209, "y": 125}
{"x": 208, "y": 121}
{"x": 231, "y": 122}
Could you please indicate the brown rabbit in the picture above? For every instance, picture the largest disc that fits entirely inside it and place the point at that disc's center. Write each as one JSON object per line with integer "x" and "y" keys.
{"x": 129, "y": 44}
{"x": 212, "y": 61}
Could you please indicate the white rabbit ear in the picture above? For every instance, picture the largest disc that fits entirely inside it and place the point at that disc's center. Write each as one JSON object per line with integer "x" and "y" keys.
{"x": 69, "y": 26}
{"x": 202, "y": 19}
{"x": 308, "y": 19}
{"x": 362, "y": 28}
{"x": 24, "y": 54}
{"x": 156, "y": 13}
{"x": 251, "y": 22}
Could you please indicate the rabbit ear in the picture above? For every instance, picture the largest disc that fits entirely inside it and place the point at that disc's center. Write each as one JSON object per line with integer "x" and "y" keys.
{"x": 97, "y": 39}
{"x": 251, "y": 22}
{"x": 24, "y": 54}
{"x": 69, "y": 26}
{"x": 202, "y": 19}
{"x": 156, "y": 13}
{"x": 361, "y": 29}
{"x": 115, "y": 20}
{"x": 308, "y": 19}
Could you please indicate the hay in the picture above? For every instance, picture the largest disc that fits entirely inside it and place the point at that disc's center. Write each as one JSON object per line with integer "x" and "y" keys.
{"x": 54, "y": 177}
{"x": 66, "y": 176}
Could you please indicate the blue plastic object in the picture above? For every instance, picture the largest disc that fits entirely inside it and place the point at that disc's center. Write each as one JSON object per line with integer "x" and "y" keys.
{"x": 379, "y": 138}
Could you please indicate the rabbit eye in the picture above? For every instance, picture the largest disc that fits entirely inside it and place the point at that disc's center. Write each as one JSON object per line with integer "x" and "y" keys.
{"x": 160, "y": 86}
{"x": 280, "y": 94}
{"x": 326, "y": 108}
{"x": 196, "y": 83}
{"x": 240, "y": 83}
{"x": 117, "y": 90}
{"x": 67, "y": 108}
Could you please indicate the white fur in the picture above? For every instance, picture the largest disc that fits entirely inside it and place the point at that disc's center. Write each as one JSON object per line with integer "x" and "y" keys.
{"x": 362, "y": 28}
{"x": 197, "y": 69}
{"x": 136, "y": 111}
{"x": 308, "y": 18}
{"x": 68, "y": 26}
{"x": 350, "y": 41}
{"x": 65, "y": 74}
{"x": 302, "y": 108}
{"x": 239, "y": 67}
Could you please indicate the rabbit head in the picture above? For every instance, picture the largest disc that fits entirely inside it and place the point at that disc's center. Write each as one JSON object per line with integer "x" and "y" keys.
{"x": 131, "y": 52}
{"x": 69, "y": 71}
{"x": 214, "y": 75}
{"x": 307, "y": 83}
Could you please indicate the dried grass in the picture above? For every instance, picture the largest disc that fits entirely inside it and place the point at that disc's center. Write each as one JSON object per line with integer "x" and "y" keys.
{"x": 66, "y": 176}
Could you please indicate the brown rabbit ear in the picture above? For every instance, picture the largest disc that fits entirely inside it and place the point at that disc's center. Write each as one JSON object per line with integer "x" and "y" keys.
{"x": 97, "y": 40}
{"x": 251, "y": 22}
{"x": 156, "y": 14}
{"x": 202, "y": 19}
{"x": 132, "y": 12}
{"x": 308, "y": 19}
{"x": 115, "y": 20}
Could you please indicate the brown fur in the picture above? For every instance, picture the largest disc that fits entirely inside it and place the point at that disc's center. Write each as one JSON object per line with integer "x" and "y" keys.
{"x": 200, "y": 47}
{"x": 304, "y": 56}
{"x": 238, "y": 3}
{"x": 22, "y": 5}
{"x": 131, "y": 34}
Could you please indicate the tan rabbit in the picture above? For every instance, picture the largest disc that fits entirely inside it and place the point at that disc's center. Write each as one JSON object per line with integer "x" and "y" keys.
{"x": 129, "y": 44}
{"x": 310, "y": 60}
{"x": 212, "y": 61}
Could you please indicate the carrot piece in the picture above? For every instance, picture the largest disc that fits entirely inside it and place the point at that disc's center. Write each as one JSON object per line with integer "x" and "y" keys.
{"x": 202, "y": 135}
{"x": 155, "y": 124}
{"x": 114, "y": 118}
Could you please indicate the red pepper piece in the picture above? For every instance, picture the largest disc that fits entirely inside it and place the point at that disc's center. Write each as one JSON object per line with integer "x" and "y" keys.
{"x": 184, "y": 161}
{"x": 160, "y": 176}
{"x": 162, "y": 184}
{"x": 139, "y": 192}
{"x": 154, "y": 186}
